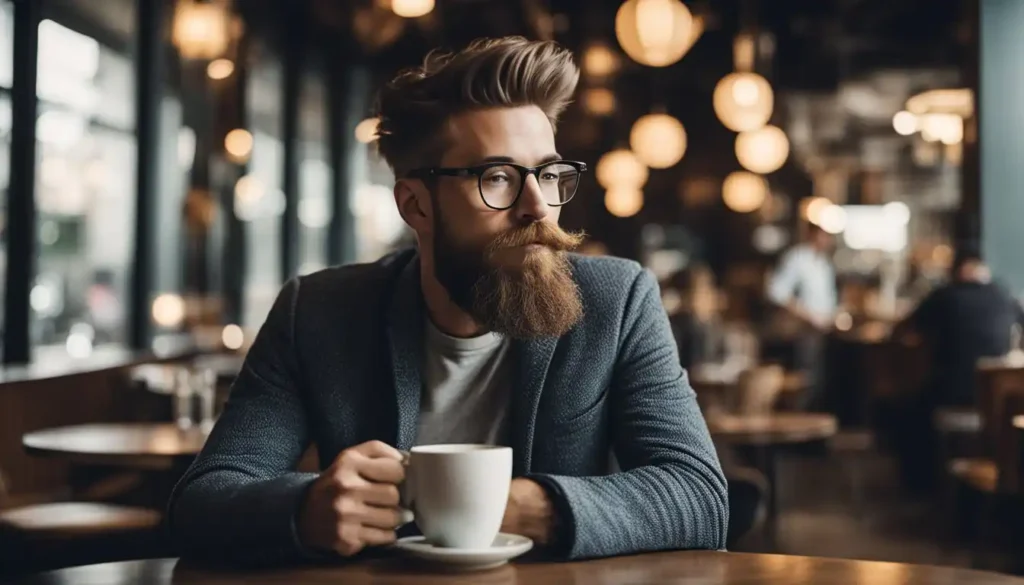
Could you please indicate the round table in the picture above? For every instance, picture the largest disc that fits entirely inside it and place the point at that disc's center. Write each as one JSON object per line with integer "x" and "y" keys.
{"x": 136, "y": 445}
{"x": 706, "y": 567}
{"x": 773, "y": 429}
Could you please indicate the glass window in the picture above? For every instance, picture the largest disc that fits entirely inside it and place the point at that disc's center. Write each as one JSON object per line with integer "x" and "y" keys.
{"x": 314, "y": 174}
{"x": 85, "y": 179}
{"x": 6, "y": 44}
{"x": 379, "y": 227}
{"x": 176, "y": 156}
{"x": 259, "y": 200}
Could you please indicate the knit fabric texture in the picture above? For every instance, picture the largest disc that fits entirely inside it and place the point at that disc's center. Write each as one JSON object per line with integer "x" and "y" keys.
{"x": 337, "y": 363}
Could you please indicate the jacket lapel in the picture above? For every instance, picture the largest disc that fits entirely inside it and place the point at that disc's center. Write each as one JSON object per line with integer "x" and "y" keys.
{"x": 532, "y": 360}
{"x": 405, "y": 336}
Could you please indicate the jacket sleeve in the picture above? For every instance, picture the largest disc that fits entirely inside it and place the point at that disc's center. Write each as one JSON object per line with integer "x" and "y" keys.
{"x": 671, "y": 492}
{"x": 238, "y": 501}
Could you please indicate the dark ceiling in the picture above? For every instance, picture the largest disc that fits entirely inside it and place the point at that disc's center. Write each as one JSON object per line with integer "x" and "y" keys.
{"x": 841, "y": 67}
{"x": 817, "y": 41}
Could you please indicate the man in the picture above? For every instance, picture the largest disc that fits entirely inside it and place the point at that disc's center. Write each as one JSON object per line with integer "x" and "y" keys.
{"x": 969, "y": 318}
{"x": 804, "y": 287}
{"x": 489, "y": 332}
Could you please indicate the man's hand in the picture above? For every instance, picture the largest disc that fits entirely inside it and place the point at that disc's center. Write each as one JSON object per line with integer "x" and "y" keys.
{"x": 529, "y": 512}
{"x": 824, "y": 324}
{"x": 355, "y": 502}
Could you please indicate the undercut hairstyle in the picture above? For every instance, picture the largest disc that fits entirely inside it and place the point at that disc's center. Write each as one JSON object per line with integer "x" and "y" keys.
{"x": 414, "y": 108}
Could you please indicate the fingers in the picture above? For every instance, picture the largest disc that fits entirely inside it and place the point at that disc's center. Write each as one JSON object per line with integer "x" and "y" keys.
{"x": 383, "y": 495}
{"x": 382, "y": 470}
{"x": 376, "y": 536}
{"x": 375, "y": 449}
{"x": 383, "y": 518}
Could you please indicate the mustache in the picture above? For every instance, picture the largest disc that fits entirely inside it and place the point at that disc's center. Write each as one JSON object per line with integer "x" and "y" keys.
{"x": 538, "y": 232}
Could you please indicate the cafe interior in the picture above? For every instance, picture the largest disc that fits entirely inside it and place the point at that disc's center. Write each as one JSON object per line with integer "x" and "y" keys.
{"x": 175, "y": 162}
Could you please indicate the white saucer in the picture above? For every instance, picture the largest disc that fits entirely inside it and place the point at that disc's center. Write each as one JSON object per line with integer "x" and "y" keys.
{"x": 505, "y": 548}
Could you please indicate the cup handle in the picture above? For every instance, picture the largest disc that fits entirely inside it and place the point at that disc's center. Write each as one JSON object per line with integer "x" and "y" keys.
{"x": 406, "y": 500}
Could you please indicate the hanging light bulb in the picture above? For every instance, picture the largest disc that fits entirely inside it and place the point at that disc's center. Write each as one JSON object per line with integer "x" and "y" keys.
{"x": 201, "y": 30}
{"x": 763, "y": 150}
{"x": 599, "y": 101}
{"x": 238, "y": 144}
{"x": 412, "y": 8}
{"x": 220, "y": 69}
{"x": 621, "y": 168}
{"x": 622, "y": 201}
{"x": 743, "y": 101}
{"x": 744, "y": 192}
{"x": 656, "y": 33}
{"x": 599, "y": 61}
{"x": 659, "y": 140}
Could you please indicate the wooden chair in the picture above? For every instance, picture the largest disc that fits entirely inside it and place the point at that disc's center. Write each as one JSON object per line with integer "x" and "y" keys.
{"x": 758, "y": 388}
{"x": 994, "y": 477}
{"x": 52, "y": 535}
{"x": 748, "y": 496}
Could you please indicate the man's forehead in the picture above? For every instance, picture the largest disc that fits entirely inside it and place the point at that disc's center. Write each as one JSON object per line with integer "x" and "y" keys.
{"x": 523, "y": 134}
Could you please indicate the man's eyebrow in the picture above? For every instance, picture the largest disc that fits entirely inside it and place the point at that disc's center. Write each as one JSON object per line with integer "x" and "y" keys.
{"x": 507, "y": 159}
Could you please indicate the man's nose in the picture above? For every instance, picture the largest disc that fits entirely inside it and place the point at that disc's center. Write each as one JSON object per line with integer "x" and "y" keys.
{"x": 531, "y": 205}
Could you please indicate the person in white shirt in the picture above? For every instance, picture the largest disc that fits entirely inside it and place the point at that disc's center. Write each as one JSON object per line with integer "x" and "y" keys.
{"x": 804, "y": 285}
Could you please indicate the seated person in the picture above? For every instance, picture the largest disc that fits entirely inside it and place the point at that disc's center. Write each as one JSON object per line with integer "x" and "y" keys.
{"x": 489, "y": 331}
{"x": 696, "y": 326}
{"x": 969, "y": 318}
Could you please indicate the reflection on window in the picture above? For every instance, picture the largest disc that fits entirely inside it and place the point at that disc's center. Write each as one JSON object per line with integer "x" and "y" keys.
{"x": 259, "y": 200}
{"x": 6, "y": 43}
{"x": 84, "y": 191}
{"x": 176, "y": 155}
{"x": 314, "y": 175}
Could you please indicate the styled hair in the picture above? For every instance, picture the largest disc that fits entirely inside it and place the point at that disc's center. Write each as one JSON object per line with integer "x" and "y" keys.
{"x": 414, "y": 108}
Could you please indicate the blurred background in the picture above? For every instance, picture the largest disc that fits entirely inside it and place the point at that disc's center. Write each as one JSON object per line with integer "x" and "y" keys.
{"x": 244, "y": 123}
{"x": 165, "y": 165}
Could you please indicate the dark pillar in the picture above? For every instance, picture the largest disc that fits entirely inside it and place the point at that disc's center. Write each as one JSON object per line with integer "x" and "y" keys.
{"x": 1000, "y": 111}
{"x": 294, "y": 45}
{"x": 234, "y": 260}
{"x": 21, "y": 191}
{"x": 348, "y": 104}
{"x": 149, "y": 77}
{"x": 968, "y": 220}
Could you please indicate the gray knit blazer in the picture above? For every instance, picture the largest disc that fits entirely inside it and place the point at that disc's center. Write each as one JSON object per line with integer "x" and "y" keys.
{"x": 337, "y": 363}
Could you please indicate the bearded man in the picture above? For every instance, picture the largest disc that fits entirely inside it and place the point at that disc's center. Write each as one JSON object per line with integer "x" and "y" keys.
{"x": 490, "y": 331}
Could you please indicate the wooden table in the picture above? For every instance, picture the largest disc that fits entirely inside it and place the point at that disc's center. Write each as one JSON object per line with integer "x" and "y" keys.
{"x": 773, "y": 429}
{"x": 155, "y": 446}
{"x": 704, "y": 567}
{"x": 765, "y": 435}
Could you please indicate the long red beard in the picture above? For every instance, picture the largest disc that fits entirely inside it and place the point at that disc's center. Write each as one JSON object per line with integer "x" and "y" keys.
{"x": 535, "y": 298}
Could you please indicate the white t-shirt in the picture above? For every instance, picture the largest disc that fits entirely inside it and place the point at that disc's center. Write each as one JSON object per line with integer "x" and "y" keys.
{"x": 466, "y": 386}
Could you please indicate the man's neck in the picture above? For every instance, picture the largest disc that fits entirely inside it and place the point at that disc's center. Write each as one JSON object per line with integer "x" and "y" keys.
{"x": 448, "y": 317}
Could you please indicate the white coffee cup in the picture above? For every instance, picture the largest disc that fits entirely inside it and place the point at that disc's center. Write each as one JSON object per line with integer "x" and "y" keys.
{"x": 458, "y": 492}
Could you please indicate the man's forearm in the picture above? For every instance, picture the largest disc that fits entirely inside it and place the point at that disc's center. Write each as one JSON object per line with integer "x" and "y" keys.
{"x": 530, "y": 512}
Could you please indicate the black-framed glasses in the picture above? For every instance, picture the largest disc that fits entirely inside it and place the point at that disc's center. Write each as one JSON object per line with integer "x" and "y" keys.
{"x": 501, "y": 183}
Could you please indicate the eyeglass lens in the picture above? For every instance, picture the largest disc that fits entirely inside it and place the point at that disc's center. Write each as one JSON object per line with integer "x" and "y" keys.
{"x": 500, "y": 185}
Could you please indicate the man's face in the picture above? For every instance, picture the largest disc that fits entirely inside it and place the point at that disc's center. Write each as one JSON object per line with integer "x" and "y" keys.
{"x": 507, "y": 268}
{"x": 822, "y": 240}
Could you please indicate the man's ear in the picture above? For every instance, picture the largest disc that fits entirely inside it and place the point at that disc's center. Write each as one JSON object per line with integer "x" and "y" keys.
{"x": 414, "y": 204}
